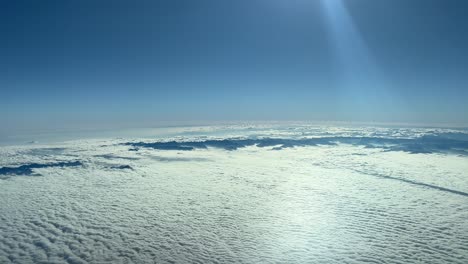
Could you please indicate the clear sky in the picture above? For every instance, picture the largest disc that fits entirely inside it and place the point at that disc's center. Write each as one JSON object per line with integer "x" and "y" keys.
{"x": 93, "y": 63}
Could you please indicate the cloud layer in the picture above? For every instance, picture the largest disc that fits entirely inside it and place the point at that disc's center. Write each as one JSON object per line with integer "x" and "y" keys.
{"x": 244, "y": 194}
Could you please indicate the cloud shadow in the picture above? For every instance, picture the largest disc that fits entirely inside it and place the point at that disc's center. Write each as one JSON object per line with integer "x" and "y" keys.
{"x": 28, "y": 169}
{"x": 424, "y": 144}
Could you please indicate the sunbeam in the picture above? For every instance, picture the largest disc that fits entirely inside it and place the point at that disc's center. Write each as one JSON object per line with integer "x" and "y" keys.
{"x": 352, "y": 52}
{"x": 361, "y": 82}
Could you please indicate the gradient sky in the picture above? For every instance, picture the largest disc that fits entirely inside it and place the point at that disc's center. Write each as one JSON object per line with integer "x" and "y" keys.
{"x": 94, "y": 63}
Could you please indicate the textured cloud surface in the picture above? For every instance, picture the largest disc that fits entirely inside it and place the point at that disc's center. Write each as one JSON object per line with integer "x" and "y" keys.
{"x": 248, "y": 194}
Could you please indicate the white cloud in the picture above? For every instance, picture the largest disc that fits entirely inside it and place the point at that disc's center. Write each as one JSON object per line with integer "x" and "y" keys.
{"x": 325, "y": 203}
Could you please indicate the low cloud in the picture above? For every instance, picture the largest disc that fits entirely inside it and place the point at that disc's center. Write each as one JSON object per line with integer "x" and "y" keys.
{"x": 243, "y": 198}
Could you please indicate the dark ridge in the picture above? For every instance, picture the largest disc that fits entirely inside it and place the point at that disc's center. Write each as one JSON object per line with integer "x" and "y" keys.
{"x": 27, "y": 169}
{"x": 424, "y": 144}
{"x": 122, "y": 167}
{"x": 435, "y": 187}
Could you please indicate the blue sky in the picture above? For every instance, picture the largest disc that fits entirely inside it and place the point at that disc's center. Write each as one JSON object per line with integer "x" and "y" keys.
{"x": 89, "y": 63}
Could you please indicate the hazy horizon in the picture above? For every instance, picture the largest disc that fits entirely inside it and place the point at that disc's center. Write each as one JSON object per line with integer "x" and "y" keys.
{"x": 95, "y": 62}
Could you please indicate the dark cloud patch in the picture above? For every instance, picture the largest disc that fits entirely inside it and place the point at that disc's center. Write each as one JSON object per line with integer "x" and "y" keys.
{"x": 110, "y": 156}
{"x": 454, "y": 135}
{"x": 122, "y": 167}
{"x": 430, "y": 144}
{"x": 227, "y": 144}
{"x": 425, "y": 144}
{"x": 27, "y": 169}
